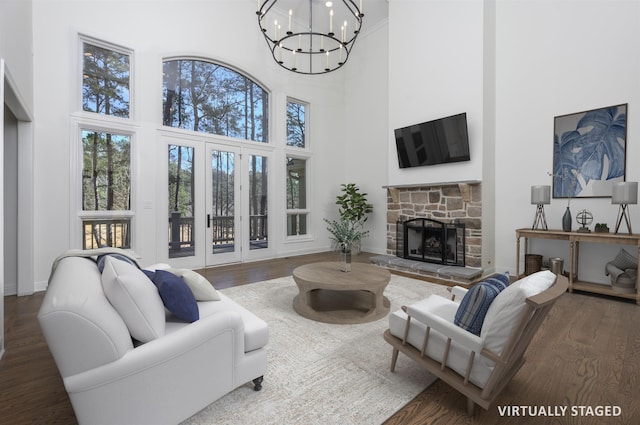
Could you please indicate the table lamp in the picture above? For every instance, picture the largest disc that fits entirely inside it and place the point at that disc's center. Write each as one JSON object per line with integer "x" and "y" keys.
{"x": 624, "y": 193}
{"x": 540, "y": 195}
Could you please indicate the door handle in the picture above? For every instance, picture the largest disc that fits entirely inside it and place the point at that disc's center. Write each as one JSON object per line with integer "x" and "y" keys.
{"x": 208, "y": 220}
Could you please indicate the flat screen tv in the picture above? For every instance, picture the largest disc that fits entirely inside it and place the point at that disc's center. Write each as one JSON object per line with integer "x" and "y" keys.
{"x": 433, "y": 142}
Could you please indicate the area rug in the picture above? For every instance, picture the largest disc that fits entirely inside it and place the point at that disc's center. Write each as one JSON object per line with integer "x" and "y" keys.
{"x": 321, "y": 373}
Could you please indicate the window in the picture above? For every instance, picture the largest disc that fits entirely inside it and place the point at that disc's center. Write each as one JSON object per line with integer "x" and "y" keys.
{"x": 210, "y": 98}
{"x": 105, "y": 81}
{"x": 296, "y": 124}
{"x": 181, "y": 199}
{"x": 105, "y": 145}
{"x": 106, "y": 189}
{"x": 296, "y": 186}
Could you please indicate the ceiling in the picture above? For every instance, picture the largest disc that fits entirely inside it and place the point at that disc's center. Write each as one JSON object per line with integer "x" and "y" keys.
{"x": 374, "y": 10}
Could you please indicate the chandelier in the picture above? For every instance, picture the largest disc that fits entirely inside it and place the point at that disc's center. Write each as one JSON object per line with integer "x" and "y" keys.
{"x": 310, "y": 40}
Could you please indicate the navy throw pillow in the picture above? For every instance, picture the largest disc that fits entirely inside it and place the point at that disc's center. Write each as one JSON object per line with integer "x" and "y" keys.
{"x": 475, "y": 304}
{"x": 175, "y": 294}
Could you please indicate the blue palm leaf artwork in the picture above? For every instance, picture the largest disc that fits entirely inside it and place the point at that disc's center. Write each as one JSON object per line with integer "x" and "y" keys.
{"x": 589, "y": 152}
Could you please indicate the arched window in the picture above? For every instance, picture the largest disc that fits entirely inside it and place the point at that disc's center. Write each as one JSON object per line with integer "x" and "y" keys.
{"x": 211, "y": 98}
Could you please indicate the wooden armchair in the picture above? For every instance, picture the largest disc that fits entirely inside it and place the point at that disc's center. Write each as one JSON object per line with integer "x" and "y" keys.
{"x": 478, "y": 366}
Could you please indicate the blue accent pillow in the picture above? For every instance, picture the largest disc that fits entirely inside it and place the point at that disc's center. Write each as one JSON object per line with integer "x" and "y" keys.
{"x": 475, "y": 304}
{"x": 101, "y": 258}
{"x": 175, "y": 294}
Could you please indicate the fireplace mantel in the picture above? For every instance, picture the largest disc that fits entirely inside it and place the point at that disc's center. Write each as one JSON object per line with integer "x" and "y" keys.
{"x": 434, "y": 184}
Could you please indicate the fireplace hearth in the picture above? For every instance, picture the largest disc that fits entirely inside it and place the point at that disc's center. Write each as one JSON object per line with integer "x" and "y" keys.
{"x": 431, "y": 241}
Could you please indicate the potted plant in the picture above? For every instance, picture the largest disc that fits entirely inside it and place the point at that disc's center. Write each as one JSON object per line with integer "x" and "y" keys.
{"x": 344, "y": 235}
{"x": 347, "y": 232}
{"x": 353, "y": 208}
{"x": 601, "y": 228}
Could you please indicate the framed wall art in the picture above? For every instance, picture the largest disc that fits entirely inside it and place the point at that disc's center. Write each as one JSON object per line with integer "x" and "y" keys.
{"x": 589, "y": 152}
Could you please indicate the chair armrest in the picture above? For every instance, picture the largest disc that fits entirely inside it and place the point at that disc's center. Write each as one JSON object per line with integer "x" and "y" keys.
{"x": 448, "y": 329}
{"x": 458, "y": 293}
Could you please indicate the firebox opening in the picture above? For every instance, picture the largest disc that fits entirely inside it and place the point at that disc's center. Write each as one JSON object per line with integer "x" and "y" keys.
{"x": 432, "y": 241}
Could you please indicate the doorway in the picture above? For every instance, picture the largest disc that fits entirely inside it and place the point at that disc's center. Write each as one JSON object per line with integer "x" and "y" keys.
{"x": 218, "y": 203}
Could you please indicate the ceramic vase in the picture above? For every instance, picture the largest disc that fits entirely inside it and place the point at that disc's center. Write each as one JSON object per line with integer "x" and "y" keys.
{"x": 566, "y": 220}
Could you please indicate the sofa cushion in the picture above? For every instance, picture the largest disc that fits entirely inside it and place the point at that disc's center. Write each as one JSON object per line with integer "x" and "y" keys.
{"x": 505, "y": 311}
{"x": 256, "y": 330}
{"x": 175, "y": 294}
{"x": 101, "y": 258}
{"x": 476, "y": 302}
{"x": 135, "y": 298}
{"x": 201, "y": 288}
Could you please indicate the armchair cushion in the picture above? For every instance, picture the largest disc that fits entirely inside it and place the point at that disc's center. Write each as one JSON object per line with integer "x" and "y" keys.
{"x": 504, "y": 313}
{"x": 476, "y": 302}
{"x": 135, "y": 298}
{"x": 624, "y": 260}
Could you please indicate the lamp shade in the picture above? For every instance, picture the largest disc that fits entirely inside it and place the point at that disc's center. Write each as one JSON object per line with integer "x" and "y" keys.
{"x": 625, "y": 193}
{"x": 540, "y": 195}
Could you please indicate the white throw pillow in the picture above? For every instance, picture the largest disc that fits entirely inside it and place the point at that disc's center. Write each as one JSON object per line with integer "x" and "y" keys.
{"x": 202, "y": 289}
{"x": 135, "y": 298}
{"x": 505, "y": 311}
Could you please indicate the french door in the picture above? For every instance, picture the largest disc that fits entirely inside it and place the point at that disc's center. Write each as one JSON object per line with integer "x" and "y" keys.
{"x": 218, "y": 204}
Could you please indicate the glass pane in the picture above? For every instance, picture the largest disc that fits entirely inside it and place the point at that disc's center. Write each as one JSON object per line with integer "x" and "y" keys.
{"x": 106, "y": 233}
{"x": 105, "y": 82}
{"x": 296, "y": 183}
{"x": 106, "y": 175}
{"x": 258, "y": 174}
{"x": 207, "y": 97}
{"x": 296, "y": 124}
{"x": 296, "y": 224}
{"x": 222, "y": 223}
{"x": 181, "y": 198}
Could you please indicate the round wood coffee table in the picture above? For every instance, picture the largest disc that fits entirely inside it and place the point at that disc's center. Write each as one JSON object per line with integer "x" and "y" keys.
{"x": 330, "y": 295}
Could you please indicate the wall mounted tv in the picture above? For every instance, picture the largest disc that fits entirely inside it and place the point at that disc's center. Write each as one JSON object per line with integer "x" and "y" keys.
{"x": 433, "y": 142}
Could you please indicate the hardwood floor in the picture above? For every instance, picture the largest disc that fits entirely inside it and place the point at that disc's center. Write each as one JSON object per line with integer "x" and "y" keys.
{"x": 587, "y": 353}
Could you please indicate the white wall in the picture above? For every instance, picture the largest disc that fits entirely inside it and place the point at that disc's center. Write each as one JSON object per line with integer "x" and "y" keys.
{"x": 367, "y": 130}
{"x": 16, "y": 42}
{"x": 556, "y": 58}
{"x": 549, "y": 58}
{"x": 435, "y": 70}
{"x": 223, "y": 30}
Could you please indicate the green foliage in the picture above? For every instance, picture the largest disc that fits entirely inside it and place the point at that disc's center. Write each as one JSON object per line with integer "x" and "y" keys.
{"x": 353, "y": 209}
{"x": 353, "y": 205}
{"x": 345, "y": 234}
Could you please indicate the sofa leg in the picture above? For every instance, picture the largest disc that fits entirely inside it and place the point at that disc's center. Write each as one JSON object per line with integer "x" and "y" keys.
{"x": 257, "y": 383}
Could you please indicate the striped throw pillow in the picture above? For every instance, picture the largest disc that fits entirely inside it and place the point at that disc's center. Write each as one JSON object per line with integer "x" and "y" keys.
{"x": 475, "y": 304}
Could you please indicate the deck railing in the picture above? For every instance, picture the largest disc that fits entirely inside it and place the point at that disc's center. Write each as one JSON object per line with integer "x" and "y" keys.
{"x": 222, "y": 228}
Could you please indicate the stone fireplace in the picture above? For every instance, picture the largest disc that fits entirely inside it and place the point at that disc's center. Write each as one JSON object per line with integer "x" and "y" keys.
{"x": 431, "y": 241}
{"x": 457, "y": 205}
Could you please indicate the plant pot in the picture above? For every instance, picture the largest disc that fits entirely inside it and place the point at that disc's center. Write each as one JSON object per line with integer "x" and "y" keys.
{"x": 345, "y": 260}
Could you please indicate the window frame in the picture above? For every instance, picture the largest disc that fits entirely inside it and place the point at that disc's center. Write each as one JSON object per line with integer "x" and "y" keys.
{"x": 80, "y": 124}
{"x": 299, "y": 211}
{"x": 82, "y": 39}
{"x": 234, "y": 140}
{"x": 307, "y": 107}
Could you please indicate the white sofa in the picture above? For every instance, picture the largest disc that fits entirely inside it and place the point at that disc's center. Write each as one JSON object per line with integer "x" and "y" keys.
{"x": 113, "y": 379}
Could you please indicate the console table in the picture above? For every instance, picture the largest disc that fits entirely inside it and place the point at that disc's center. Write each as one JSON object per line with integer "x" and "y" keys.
{"x": 574, "y": 239}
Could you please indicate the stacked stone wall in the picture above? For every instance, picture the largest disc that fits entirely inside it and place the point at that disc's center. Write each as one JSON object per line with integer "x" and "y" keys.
{"x": 449, "y": 203}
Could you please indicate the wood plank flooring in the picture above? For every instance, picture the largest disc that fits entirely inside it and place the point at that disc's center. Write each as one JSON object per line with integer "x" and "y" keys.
{"x": 587, "y": 353}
